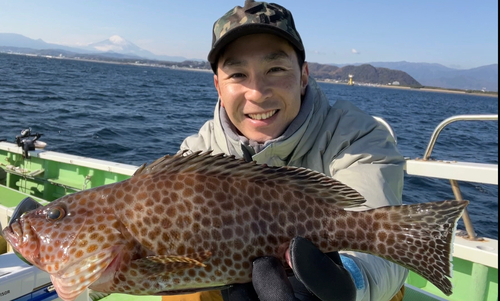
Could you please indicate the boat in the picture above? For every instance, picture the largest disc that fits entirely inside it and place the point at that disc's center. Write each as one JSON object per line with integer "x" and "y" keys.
{"x": 46, "y": 175}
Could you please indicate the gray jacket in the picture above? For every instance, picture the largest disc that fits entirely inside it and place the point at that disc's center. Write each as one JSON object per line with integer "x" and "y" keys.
{"x": 340, "y": 141}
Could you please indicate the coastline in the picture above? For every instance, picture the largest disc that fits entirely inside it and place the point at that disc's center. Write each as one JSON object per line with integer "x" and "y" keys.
{"x": 425, "y": 89}
{"x": 175, "y": 67}
{"x": 135, "y": 64}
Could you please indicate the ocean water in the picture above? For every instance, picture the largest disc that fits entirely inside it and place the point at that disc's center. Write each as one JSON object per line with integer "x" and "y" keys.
{"x": 133, "y": 115}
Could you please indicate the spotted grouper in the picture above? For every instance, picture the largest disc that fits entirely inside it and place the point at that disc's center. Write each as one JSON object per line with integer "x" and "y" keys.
{"x": 188, "y": 223}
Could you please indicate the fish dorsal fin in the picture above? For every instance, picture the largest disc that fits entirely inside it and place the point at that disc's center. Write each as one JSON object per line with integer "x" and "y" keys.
{"x": 177, "y": 163}
{"x": 305, "y": 180}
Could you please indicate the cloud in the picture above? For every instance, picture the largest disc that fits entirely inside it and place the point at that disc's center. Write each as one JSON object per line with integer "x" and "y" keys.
{"x": 355, "y": 51}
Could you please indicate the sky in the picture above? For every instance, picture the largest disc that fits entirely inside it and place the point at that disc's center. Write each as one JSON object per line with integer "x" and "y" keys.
{"x": 460, "y": 34}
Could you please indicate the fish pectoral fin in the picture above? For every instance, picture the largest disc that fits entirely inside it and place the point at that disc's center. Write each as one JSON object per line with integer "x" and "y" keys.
{"x": 176, "y": 262}
{"x": 74, "y": 280}
{"x": 175, "y": 259}
{"x": 196, "y": 259}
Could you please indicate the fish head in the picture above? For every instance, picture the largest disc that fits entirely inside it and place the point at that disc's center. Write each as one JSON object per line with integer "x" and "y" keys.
{"x": 71, "y": 238}
{"x": 45, "y": 235}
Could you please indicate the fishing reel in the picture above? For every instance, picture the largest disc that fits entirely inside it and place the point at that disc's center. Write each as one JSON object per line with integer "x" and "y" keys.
{"x": 29, "y": 142}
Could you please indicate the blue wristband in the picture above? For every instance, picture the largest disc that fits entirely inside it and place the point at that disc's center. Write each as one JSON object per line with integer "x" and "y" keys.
{"x": 354, "y": 270}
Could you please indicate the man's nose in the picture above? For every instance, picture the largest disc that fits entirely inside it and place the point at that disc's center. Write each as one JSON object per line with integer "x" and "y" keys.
{"x": 258, "y": 90}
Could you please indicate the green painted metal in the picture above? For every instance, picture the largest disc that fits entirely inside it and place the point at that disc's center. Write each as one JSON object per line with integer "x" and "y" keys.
{"x": 471, "y": 281}
{"x": 10, "y": 197}
{"x": 50, "y": 180}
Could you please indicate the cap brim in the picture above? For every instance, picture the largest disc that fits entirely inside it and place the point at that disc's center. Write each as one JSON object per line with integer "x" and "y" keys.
{"x": 247, "y": 29}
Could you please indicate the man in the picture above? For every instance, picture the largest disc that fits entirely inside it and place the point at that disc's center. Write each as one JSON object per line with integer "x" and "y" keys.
{"x": 270, "y": 111}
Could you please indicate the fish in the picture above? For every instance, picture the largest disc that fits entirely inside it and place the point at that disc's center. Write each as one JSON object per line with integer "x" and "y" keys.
{"x": 194, "y": 222}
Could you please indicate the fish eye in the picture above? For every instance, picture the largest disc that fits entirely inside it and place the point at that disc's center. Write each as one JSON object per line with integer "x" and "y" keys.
{"x": 55, "y": 213}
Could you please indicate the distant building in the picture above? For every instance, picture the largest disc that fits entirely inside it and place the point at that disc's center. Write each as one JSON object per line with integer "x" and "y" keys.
{"x": 395, "y": 83}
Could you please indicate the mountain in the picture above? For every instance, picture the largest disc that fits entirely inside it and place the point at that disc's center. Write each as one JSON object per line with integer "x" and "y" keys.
{"x": 20, "y": 41}
{"x": 320, "y": 71}
{"x": 118, "y": 44}
{"x": 114, "y": 44}
{"x": 363, "y": 74}
{"x": 436, "y": 75}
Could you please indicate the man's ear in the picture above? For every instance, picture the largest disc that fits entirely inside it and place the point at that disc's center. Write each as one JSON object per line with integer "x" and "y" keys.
{"x": 304, "y": 78}
{"x": 217, "y": 87}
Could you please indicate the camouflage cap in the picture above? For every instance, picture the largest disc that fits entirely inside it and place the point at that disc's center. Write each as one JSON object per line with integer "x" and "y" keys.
{"x": 254, "y": 17}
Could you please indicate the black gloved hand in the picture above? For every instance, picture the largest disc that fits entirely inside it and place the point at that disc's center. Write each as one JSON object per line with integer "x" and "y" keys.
{"x": 318, "y": 276}
{"x": 269, "y": 282}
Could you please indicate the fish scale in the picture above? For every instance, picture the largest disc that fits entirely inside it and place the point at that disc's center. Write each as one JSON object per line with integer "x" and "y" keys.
{"x": 188, "y": 223}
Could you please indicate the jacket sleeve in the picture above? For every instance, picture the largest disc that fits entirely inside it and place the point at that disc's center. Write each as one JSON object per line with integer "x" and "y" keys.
{"x": 202, "y": 141}
{"x": 367, "y": 160}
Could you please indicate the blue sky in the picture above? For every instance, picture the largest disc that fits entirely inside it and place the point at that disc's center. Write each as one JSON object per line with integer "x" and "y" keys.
{"x": 460, "y": 34}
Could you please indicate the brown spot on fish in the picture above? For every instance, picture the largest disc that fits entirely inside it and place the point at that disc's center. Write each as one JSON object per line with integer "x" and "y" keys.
{"x": 182, "y": 207}
{"x": 91, "y": 248}
{"x": 159, "y": 209}
{"x": 79, "y": 253}
{"x": 382, "y": 236}
{"x": 351, "y": 223}
{"x": 101, "y": 239}
{"x": 227, "y": 233}
{"x": 188, "y": 192}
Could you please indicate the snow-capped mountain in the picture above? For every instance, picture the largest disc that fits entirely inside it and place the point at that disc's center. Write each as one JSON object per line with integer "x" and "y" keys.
{"x": 120, "y": 45}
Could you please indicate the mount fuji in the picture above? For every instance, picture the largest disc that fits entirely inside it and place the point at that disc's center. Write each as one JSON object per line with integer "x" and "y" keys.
{"x": 117, "y": 44}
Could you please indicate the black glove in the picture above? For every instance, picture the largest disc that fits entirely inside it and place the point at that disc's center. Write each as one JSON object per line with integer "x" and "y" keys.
{"x": 318, "y": 276}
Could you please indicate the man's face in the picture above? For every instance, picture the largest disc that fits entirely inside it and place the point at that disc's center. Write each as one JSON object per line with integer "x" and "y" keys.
{"x": 260, "y": 85}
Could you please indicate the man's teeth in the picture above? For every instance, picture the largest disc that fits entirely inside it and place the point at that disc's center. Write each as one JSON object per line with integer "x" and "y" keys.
{"x": 262, "y": 115}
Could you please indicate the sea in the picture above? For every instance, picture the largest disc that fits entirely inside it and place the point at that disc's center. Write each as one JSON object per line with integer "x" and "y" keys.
{"x": 136, "y": 114}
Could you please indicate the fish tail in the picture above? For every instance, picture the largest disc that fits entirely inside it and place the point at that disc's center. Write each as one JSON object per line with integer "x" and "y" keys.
{"x": 418, "y": 237}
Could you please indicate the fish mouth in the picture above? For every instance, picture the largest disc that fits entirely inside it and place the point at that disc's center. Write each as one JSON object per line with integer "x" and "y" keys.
{"x": 14, "y": 233}
{"x": 17, "y": 236}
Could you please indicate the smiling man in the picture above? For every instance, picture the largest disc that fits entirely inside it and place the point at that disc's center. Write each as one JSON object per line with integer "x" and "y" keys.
{"x": 260, "y": 85}
{"x": 270, "y": 111}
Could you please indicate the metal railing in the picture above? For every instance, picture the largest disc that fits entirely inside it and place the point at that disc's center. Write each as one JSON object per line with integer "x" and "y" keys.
{"x": 454, "y": 183}
{"x": 447, "y": 121}
{"x": 388, "y": 126}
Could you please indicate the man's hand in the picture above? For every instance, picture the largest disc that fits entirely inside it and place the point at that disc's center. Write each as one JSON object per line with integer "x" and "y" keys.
{"x": 318, "y": 276}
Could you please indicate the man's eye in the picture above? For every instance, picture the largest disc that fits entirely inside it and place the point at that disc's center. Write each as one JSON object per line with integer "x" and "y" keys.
{"x": 237, "y": 75}
{"x": 276, "y": 69}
